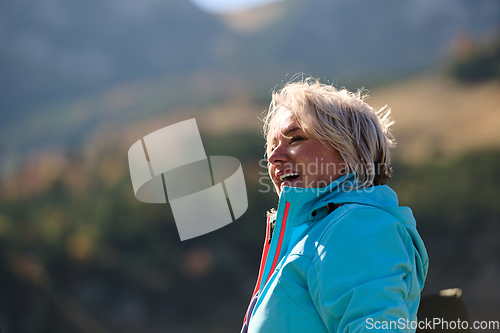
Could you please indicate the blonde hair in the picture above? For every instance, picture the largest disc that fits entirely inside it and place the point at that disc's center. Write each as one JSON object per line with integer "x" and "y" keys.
{"x": 341, "y": 121}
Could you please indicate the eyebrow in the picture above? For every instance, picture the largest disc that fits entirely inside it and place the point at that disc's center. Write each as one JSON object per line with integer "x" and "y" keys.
{"x": 290, "y": 130}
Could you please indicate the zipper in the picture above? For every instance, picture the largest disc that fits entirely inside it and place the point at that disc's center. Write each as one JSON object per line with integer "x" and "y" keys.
{"x": 270, "y": 230}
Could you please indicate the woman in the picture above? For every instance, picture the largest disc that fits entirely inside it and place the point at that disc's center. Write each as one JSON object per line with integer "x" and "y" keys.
{"x": 340, "y": 255}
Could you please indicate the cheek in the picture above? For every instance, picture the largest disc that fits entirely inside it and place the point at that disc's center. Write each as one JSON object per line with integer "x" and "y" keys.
{"x": 301, "y": 153}
{"x": 318, "y": 163}
{"x": 271, "y": 170}
{"x": 307, "y": 157}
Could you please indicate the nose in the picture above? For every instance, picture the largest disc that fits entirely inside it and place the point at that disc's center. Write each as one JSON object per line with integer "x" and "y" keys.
{"x": 278, "y": 155}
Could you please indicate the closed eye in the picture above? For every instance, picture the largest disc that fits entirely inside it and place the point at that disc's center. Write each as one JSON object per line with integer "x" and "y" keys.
{"x": 296, "y": 139}
{"x": 291, "y": 140}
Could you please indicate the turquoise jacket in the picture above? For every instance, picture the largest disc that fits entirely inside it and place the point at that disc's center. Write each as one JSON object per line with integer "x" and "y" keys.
{"x": 338, "y": 261}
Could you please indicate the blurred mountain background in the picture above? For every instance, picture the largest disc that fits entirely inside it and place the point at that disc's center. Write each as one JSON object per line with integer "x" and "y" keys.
{"x": 80, "y": 82}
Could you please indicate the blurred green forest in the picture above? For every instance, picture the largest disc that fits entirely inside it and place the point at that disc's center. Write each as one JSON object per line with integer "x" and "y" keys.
{"x": 477, "y": 62}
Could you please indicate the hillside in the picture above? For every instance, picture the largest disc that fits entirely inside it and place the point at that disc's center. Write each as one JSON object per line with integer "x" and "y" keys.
{"x": 56, "y": 52}
{"x": 436, "y": 116}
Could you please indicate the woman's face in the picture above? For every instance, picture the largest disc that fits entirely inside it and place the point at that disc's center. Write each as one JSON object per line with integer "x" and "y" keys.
{"x": 297, "y": 160}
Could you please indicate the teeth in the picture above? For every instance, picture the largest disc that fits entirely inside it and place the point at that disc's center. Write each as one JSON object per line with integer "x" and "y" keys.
{"x": 292, "y": 174}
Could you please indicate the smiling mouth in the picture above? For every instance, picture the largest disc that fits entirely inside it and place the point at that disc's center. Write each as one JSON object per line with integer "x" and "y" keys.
{"x": 288, "y": 177}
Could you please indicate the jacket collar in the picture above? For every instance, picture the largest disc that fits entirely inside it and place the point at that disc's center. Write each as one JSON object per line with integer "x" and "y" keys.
{"x": 309, "y": 204}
